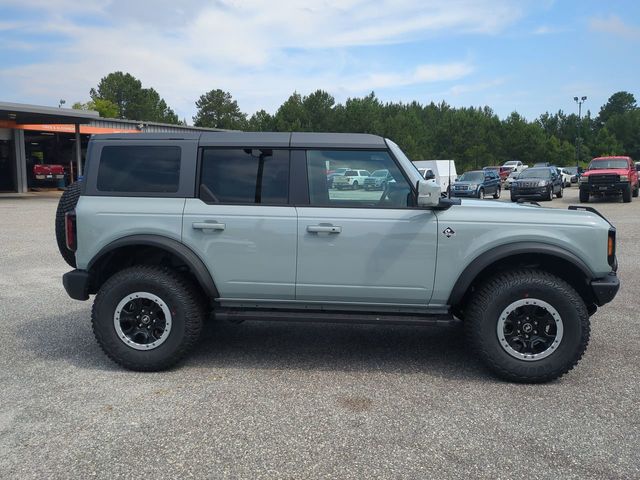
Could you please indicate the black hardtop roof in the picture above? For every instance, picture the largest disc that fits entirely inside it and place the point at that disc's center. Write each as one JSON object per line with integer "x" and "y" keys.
{"x": 261, "y": 139}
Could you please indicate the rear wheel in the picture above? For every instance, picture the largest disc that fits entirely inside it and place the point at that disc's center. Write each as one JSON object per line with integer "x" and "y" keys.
{"x": 147, "y": 318}
{"x": 67, "y": 203}
{"x": 584, "y": 196}
{"x": 528, "y": 326}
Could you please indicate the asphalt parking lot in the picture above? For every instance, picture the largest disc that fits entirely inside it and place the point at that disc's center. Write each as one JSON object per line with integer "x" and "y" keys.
{"x": 288, "y": 400}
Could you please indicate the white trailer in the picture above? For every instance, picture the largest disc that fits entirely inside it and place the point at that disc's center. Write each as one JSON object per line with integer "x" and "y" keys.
{"x": 444, "y": 171}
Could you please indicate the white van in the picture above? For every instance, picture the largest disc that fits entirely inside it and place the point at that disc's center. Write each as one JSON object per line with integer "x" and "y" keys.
{"x": 444, "y": 171}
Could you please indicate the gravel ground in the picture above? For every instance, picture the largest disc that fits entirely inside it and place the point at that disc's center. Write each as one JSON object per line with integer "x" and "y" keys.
{"x": 300, "y": 401}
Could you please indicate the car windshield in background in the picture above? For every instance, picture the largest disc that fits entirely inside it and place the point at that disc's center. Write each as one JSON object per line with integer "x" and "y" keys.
{"x": 351, "y": 173}
{"x": 508, "y": 164}
{"x": 472, "y": 177}
{"x": 380, "y": 173}
{"x": 571, "y": 170}
{"x": 604, "y": 164}
{"x": 535, "y": 173}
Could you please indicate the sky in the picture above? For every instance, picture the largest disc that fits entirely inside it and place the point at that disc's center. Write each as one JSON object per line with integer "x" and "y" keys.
{"x": 512, "y": 55}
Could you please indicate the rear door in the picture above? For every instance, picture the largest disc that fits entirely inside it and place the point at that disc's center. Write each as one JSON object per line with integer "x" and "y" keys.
{"x": 363, "y": 247}
{"x": 241, "y": 224}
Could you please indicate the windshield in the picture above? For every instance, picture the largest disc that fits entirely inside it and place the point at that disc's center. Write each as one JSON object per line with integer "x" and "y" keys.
{"x": 380, "y": 173}
{"x": 609, "y": 163}
{"x": 535, "y": 173}
{"x": 511, "y": 162}
{"x": 471, "y": 177}
{"x": 571, "y": 170}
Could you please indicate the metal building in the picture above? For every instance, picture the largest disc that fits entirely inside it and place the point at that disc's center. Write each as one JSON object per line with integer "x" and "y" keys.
{"x": 36, "y": 141}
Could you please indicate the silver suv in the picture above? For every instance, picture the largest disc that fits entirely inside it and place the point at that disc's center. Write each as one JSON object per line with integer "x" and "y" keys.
{"x": 166, "y": 230}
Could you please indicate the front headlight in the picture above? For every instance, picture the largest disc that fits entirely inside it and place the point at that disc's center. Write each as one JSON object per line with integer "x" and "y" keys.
{"x": 473, "y": 186}
{"x": 583, "y": 179}
{"x": 543, "y": 183}
{"x": 624, "y": 178}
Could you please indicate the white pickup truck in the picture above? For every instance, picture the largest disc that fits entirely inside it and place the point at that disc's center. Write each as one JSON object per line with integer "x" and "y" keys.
{"x": 444, "y": 172}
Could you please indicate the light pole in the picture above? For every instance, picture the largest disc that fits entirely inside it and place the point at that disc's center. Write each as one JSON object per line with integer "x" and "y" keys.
{"x": 579, "y": 101}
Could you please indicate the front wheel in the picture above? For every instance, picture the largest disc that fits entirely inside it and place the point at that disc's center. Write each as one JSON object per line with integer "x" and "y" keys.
{"x": 560, "y": 193}
{"x": 355, "y": 185}
{"x": 481, "y": 193}
{"x": 626, "y": 194}
{"x": 636, "y": 190}
{"x": 528, "y": 326}
{"x": 497, "y": 194}
{"x": 147, "y": 318}
{"x": 584, "y": 196}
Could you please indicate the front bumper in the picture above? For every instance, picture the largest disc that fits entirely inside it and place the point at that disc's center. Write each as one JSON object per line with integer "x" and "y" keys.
{"x": 538, "y": 192}
{"x": 464, "y": 193}
{"x": 76, "y": 283}
{"x": 605, "y": 289}
{"x": 599, "y": 188}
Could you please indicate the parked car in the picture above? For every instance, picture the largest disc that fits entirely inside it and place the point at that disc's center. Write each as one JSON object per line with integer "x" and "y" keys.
{"x": 512, "y": 176}
{"x": 336, "y": 173}
{"x": 610, "y": 176}
{"x": 353, "y": 179}
{"x": 47, "y": 174}
{"x": 515, "y": 166}
{"x": 378, "y": 180}
{"x": 502, "y": 172}
{"x": 537, "y": 182}
{"x": 575, "y": 173}
{"x": 253, "y": 233}
{"x": 444, "y": 172}
{"x": 477, "y": 183}
{"x": 566, "y": 177}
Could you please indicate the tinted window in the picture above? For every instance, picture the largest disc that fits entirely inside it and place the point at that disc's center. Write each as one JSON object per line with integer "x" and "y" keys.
{"x": 139, "y": 169}
{"x": 245, "y": 176}
{"x": 394, "y": 191}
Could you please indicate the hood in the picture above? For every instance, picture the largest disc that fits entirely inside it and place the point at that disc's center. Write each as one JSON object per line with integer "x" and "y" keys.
{"x": 468, "y": 182}
{"x": 531, "y": 180}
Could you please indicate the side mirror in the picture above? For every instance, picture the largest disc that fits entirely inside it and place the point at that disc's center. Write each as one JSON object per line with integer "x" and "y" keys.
{"x": 429, "y": 175}
{"x": 428, "y": 193}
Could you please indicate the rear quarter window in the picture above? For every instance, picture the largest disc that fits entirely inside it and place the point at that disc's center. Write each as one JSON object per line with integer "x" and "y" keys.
{"x": 139, "y": 169}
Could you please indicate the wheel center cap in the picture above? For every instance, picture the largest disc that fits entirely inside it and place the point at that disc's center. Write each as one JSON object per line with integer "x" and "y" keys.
{"x": 146, "y": 319}
{"x": 527, "y": 327}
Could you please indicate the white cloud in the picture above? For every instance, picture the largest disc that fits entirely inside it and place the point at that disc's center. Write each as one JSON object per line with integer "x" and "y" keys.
{"x": 614, "y": 25}
{"x": 259, "y": 51}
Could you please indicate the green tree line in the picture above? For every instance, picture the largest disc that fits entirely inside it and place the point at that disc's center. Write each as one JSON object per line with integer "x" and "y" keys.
{"x": 473, "y": 136}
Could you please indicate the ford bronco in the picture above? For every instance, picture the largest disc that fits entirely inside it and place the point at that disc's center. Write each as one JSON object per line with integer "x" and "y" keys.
{"x": 167, "y": 230}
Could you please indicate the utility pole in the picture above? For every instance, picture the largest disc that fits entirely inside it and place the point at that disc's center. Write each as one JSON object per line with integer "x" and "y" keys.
{"x": 579, "y": 101}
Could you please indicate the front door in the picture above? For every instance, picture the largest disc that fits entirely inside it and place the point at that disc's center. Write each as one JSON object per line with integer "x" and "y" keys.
{"x": 241, "y": 225}
{"x": 361, "y": 246}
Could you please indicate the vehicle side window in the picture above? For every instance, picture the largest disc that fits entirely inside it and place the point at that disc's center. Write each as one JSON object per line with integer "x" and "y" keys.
{"x": 139, "y": 169}
{"x": 357, "y": 187}
{"x": 245, "y": 176}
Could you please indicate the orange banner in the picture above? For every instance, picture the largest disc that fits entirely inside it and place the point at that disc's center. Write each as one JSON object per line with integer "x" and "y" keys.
{"x": 63, "y": 128}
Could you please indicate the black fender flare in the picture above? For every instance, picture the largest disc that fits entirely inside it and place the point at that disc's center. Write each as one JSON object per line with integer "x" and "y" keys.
{"x": 489, "y": 257}
{"x": 180, "y": 250}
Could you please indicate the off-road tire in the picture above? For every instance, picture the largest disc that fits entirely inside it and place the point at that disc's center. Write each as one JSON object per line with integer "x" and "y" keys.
{"x": 183, "y": 298}
{"x": 67, "y": 203}
{"x": 498, "y": 293}
{"x": 513, "y": 198}
{"x": 497, "y": 194}
{"x": 584, "y": 196}
{"x": 626, "y": 194}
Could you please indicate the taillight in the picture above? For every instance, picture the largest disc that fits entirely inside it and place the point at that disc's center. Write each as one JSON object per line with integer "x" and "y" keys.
{"x": 70, "y": 230}
{"x": 611, "y": 247}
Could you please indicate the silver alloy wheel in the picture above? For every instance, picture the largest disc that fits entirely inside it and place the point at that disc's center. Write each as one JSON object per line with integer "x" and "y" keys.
{"x": 142, "y": 321}
{"x": 530, "y": 329}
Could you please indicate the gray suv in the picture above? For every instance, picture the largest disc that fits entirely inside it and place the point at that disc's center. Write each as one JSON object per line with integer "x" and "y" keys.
{"x": 170, "y": 230}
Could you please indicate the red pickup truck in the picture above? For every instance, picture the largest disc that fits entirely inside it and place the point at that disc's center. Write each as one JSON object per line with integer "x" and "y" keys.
{"x": 46, "y": 173}
{"x": 610, "y": 176}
